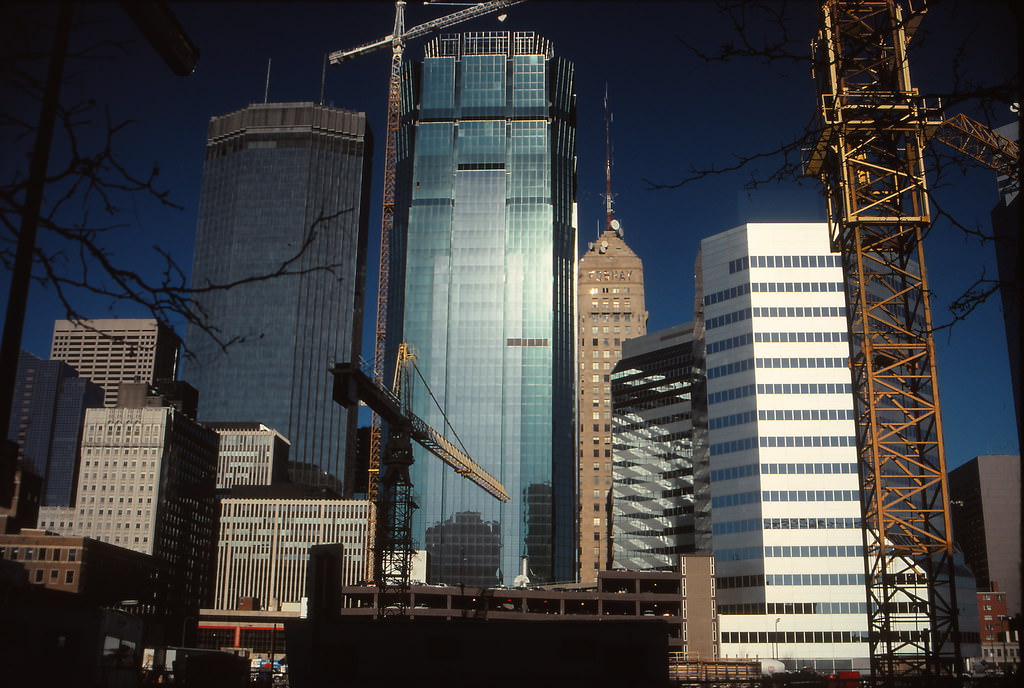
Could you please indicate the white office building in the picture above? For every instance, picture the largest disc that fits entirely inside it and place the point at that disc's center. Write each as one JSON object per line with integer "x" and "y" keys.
{"x": 250, "y": 454}
{"x": 782, "y": 449}
{"x": 264, "y": 541}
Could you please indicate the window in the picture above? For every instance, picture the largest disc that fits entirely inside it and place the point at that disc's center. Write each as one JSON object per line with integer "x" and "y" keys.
{"x": 39, "y": 575}
{"x": 69, "y": 576}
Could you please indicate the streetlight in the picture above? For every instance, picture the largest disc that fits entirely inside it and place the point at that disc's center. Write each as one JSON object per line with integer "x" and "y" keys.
{"x": 775, "y": 649}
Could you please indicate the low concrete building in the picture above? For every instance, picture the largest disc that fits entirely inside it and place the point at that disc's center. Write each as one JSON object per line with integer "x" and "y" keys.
{"x": 684, "y": 602}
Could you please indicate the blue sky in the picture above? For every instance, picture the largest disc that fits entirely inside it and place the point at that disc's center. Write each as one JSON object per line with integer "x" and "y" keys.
{"x": 671, "y": 112}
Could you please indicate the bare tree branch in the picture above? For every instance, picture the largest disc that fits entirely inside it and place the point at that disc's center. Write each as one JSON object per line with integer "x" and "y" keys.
{"x": 89, "y": 190}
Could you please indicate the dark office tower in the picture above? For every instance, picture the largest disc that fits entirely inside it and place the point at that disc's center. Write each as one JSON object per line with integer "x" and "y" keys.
{"x": 485, "y": 246}
{"x": 285, "y": 188}
{"x": 985, "y": 508}
{"x": 659, "y": 498}
{"x": 46, "y": 421}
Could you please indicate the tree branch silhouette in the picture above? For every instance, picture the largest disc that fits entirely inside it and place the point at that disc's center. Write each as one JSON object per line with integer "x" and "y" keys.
{"x": 763, "y": 34}
{"x": 90, "y": 188}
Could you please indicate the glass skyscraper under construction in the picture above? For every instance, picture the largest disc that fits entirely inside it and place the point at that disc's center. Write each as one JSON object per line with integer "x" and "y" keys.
{"x": 484, "y": 252}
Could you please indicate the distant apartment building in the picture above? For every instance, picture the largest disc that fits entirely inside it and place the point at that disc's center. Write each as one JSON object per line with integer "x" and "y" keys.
{"x": 56, "y": 519}
{"x": 781, "y": 447}
{"x": 146, "y": 483}
{"x": 264, "y": 539}
{"x": 250, "y": 454}
{"x": 985, "y": 510}
{"x": 660, "y": 500}
{"x": 116, "y": 350}
{"x": 47, "y": 411}
{"x": 610, "y": 307}
{"x": 999, "y": 645}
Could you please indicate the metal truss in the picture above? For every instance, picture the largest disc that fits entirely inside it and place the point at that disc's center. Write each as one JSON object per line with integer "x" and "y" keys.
{"x": 394, "y": 528}
{"x": 981, "y": 143}
{"x": 870, "y": 156}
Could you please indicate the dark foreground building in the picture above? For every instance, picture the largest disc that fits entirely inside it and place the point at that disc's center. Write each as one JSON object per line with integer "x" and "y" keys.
{"x": 431, "y": 653}
{"x": 627, "y": 631}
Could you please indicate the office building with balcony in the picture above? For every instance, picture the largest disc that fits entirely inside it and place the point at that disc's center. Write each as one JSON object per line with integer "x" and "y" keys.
{"x": 249, "y": 454}
{"x": 264, "y": 540}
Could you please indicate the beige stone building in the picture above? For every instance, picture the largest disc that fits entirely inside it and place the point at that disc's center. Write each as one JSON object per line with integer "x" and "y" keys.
{"x": 115, "y": 350}
{"x": 611, "y": 309}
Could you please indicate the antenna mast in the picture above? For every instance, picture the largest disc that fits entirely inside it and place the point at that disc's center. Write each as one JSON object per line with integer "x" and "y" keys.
{"x": 607, "y": 164}
{"x": 266, "y": 86}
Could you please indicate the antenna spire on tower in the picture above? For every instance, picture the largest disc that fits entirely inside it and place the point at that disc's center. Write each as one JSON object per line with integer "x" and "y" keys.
{"x": 266, "y": 86}
{"x": 611, "y": 224}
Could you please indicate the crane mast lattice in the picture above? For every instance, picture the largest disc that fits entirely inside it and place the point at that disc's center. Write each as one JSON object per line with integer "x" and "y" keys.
{"x": 870, "y": 156}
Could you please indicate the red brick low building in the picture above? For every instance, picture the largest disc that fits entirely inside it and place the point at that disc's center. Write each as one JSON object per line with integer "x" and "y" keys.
{"x": 102, "y": 572}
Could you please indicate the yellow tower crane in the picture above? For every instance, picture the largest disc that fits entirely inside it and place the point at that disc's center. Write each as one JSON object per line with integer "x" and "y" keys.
{"x": 870, "y": 157}
{"x": 395, "y": 504}
{"x": 396, "y": 40}
{"x": 982, "y": 144}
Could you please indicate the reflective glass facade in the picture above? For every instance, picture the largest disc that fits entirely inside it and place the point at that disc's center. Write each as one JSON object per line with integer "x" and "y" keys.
{"x": 285, "y": 186}
{"x": 660, "y": 498}
{"x": 483, "y": 292}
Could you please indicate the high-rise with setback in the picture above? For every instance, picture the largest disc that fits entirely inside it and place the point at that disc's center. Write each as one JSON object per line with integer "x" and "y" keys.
{"x": 284, "y": 194}
{"x": 610, "y": 310}
{"x": 782, "y": 456}
{"x": 484, "y": 253}
{"x": 114, "y": 350}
